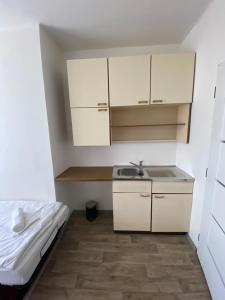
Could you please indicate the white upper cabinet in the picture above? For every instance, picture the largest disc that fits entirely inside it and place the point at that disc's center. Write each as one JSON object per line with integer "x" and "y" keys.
{"x": 90, "y": 126}
{"x": 129, "y": 80}
{"x": 88, "y": 82}
{"x": 172, "y": 77}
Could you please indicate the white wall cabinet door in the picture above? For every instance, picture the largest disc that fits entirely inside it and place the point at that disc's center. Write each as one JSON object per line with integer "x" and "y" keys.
{"x": 172, "y": 77}
{"x": 90, "y": 126}
{"x": 171, "y": 212}
{"x": 132, "y": 211}
{"x": 129, "y": 80}
{"x": 88, "y": 82}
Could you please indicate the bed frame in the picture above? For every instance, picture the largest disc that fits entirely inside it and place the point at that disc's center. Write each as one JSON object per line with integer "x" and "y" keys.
{"x": 18, "y": 292}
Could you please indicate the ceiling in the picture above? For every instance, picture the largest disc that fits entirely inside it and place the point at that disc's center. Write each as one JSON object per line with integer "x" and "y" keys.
{"x": 94, "y": 24}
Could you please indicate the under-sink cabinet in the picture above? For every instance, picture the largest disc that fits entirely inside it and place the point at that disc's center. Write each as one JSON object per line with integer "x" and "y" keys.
{"x": 171, "y": 206}
{"x": 132, "y": 205}
{"x": 171, "y": 212}
{"x": 152, "y": 206}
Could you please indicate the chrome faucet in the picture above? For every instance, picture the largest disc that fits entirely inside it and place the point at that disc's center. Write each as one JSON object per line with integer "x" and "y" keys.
{"x": 139, "y": 166}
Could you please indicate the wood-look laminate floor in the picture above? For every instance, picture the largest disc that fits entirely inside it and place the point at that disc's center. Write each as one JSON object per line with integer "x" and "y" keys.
{"x": 91, "y": 262}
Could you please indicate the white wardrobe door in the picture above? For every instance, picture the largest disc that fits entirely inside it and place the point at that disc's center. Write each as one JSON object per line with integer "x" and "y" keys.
{"x": 216, "y": 245}
{"x": 214, "y": 281}
{"x": 221, "y": 164}
{"x": 219, "y": 204}
{"x": 223, "y": 128}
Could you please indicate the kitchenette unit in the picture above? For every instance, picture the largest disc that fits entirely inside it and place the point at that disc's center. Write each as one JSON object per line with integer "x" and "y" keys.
{"x": 145, "y": 98}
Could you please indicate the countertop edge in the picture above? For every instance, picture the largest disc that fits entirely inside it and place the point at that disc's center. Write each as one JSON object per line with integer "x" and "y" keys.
{"x": 105, "y": 174}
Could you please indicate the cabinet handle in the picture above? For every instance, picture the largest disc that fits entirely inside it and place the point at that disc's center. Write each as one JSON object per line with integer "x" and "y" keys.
{"x": 102, "y": 104}
{"x": 159, "y": 197}
{"x": 143, "y": 102}
{"x": 145, "y": 195}
{"x": 157, "y": 101}
{"x": 102, "y": 109}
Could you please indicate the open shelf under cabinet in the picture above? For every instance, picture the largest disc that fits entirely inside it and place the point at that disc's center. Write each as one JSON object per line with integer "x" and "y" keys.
{"x": 150, "y": 123}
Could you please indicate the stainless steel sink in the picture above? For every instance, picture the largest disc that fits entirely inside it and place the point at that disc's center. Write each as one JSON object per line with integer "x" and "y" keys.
{"x": 160, "y": 173}
{"x": 130, "y": 172}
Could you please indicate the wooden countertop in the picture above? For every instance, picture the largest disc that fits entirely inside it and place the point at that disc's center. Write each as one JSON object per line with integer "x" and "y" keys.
{"x": 86, "y": 174}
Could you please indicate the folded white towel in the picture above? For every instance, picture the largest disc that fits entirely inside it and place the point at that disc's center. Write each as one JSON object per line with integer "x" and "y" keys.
{"x": 18, "y": 220}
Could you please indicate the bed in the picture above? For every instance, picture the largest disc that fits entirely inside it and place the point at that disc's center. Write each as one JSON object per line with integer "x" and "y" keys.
{"x": 21, "y": 255}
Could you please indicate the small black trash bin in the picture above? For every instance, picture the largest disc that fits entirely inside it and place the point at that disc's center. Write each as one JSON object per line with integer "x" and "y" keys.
{"x": 91, "y": 210}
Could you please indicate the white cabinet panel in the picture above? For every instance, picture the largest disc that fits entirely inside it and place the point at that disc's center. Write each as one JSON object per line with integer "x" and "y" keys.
{"x": 132, "y": 211}
{"x": 219, "y": 204}
{"x": 172, "y": 187}
{"x": 221, "y": 164}
{"x": 123, "y": 186}
{"x": 216, "y": 245}
{"x": 90, "y": 126}
{"x": 129, "y": 80}
{"x": 172, "y": 77}
{"x": 88, "y": 82}
{"x": 171, "y": 212}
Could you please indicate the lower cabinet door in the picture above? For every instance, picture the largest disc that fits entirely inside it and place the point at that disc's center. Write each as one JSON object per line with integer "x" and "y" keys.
{"x": 171, "y": 212}
{"x": 132, "y": 211}
{"x": 90, "y": 126}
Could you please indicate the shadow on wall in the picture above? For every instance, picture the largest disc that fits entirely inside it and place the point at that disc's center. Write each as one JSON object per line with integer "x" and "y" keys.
{"x": 81, "y": 192}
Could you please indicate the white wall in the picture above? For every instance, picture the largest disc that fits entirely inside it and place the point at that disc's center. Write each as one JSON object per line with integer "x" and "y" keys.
{"x": 25, "y": 158}
{"x": 54, "y": 70}
{"x": 151, "y": 153}
{"x": 53, "y": 67}
{"x": 10, "y": 17}
{"x": 207, "y": 39}
{"x": 81, "y": 192}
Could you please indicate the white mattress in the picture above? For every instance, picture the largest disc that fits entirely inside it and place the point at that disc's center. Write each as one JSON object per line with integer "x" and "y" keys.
{"x": 22, "y": 272}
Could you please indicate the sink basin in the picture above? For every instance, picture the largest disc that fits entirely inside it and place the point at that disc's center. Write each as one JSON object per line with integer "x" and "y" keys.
{"x": 130, "y": 172}
{"x": 160, "y": 173}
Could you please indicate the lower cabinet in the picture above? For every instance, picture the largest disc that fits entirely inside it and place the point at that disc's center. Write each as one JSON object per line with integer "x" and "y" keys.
{"x": 90, "y": 126}
{"x": 152, "y": 206}
{"x": 171, "y": 212}
{"x": 132, "y": 211}
{"x": 132, "y": 205}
